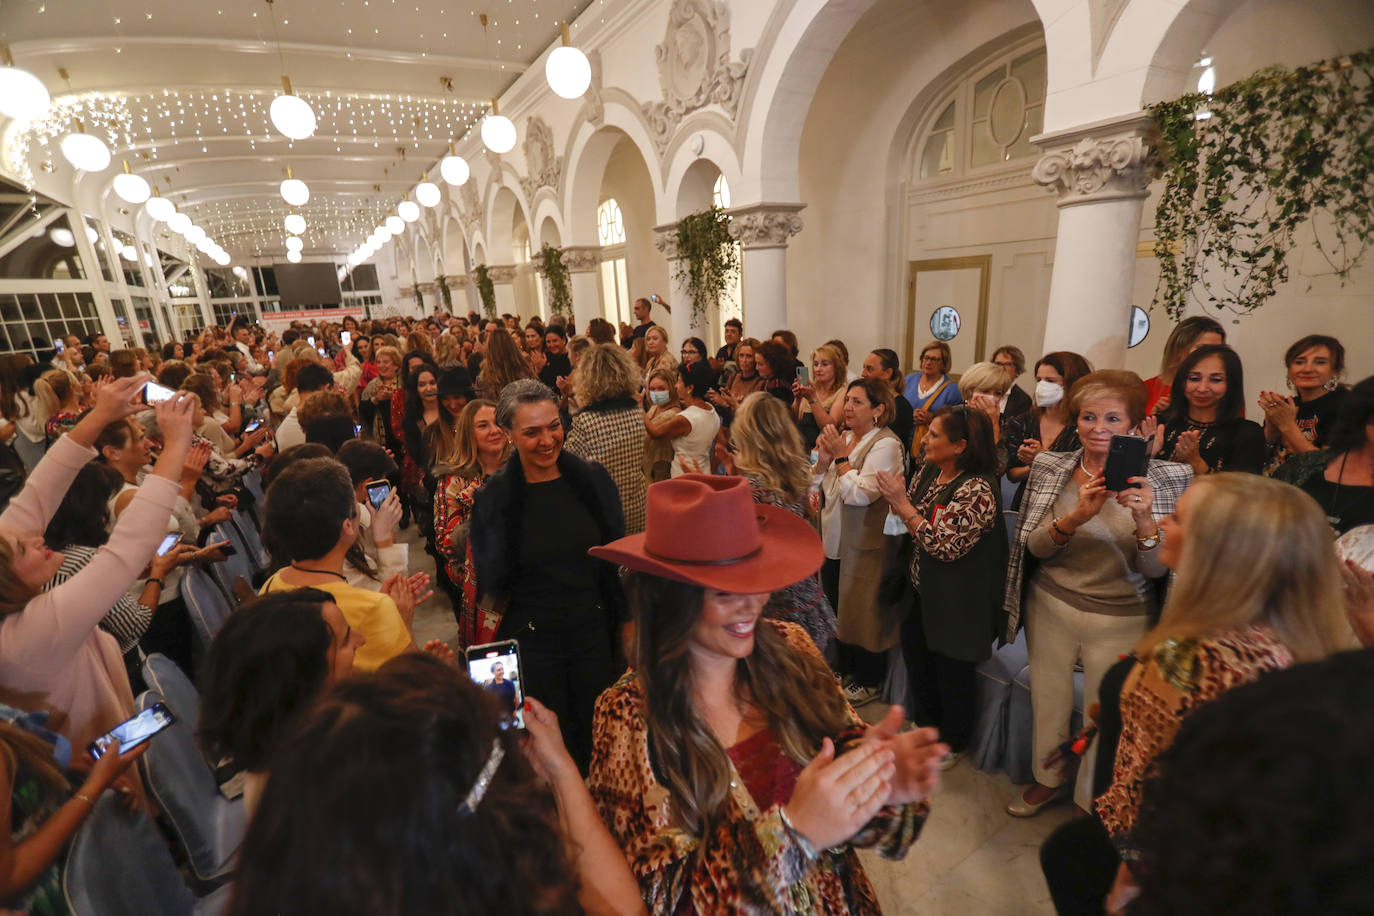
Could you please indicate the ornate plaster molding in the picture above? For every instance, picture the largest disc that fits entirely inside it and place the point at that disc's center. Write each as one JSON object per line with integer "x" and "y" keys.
{"x": 665, "y": 240}
{"x": 469, "y": 206}
{"x": 501, "y": 273}
{"x": 1095, "y": 163}
{"x": 427, "y": 288}
{"x": 595, "y": 106}
{"x": 694, "y": 67}
{"x": 581, "y": 259}
{"x": 544, "y": 165}
{"x": 765, "y": 225}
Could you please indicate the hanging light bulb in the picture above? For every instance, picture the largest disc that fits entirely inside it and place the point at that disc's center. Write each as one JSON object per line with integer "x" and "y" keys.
{"x": 295, "y": 224}
{"x": 407, "y": 210}
{"x": 293, "y": 190}
{"x": 291, "y": 114}
{"x": 498, "y": 132}
{"x": 453, "y": 167}
{"x": 129, "y": 253}
{"x": 222, "y": 258}
{"x": 395, "y": 225}
{"x": 205, "y": 246}
{"x": 179, "y": 222}
{"x": 62, "y": 237}
{"x": 92, "y": 236}
{"x": 194, "y": 235}
{"x": 84, "y": 151}
{"x": 294, "y": 257}
{"x": 159, "y": 209}
{"x": 294, "y": 243}
{"x": 427, "y": 192}
{"x": 22, "y": 95}
{"x": 567, "y": 69}
{"x": 131, "y": 187}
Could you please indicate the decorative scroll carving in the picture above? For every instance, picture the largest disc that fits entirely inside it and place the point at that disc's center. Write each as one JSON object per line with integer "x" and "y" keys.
{"x": 694, "y": 66}
{"x": 765, "y": 226}
{"x": 469, "y": 206}
{"x": 545, "y": 167}
{"x": 501, "y": 273}
{"x": 1095, "y": 168}
{"x": 665, "y": 240}
{"x": 581, "y": 259}
{"x": 595, "y": 106}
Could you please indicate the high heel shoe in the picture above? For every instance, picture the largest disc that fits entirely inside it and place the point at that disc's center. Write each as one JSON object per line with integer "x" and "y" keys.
{"x": 1019, "y": 807}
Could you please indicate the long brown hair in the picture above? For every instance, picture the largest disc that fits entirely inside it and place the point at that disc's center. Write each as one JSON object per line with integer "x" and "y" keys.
{"x": 463, "y": 458}
{"x": 794, "y": 690}
{"x": 502, "y": 363}
{"x": 29, "y": 753}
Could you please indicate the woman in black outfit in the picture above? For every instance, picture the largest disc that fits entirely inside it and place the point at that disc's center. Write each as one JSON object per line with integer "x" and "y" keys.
{"x": 533, "y": 522}
{"x": 1203, "y": 425}
{"x": 1340, "y": 477}
{"x": 884, "y": 364}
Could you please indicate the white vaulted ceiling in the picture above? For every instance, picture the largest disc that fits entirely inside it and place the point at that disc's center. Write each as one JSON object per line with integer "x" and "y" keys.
{"x": 391, "y": 83}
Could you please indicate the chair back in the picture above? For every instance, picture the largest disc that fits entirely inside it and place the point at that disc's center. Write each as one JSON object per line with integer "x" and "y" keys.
{"x": 248, "y": 530}
{"x": 237, "y": 565}
{"x": 119, "y": 865}
{"x": 208, "y": 826}
{"x": 162, "y": 675}
{"x": 206, "y": 602}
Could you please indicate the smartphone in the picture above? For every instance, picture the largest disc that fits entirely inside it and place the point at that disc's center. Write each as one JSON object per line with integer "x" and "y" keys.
{"x": 345, "y": 337}
{"x": 252, "y": 427}
{"x": 495, "y": 667}
{"x": 168, "y": 543}
{"x": 654, "y": 298}
{"x": 310, "y": 340}
{"x": 133, "y": 732}
{"x": 58, "y": 345}
{"x": 357, "y": 429}
{"x": 153, "y": 393}
{"x": 803, "y": 375}
{"x": 322, "y": 352}
{"x": 1127, "y": 456}
{"x": 377, "y": 492}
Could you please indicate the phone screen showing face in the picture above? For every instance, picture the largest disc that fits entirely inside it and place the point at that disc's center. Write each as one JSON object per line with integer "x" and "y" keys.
{"x": 130, "y": 734}
{"x": 252, "y": 427}
{"x": 495, "y": 667}
{"x": 167, "y": 544}
{"x": 153, "y": 392}
{"x": 377, "y": 492}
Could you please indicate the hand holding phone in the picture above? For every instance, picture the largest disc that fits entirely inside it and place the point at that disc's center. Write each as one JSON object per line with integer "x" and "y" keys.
{"x": 496, "y": 668}
{"x": 168, "y": 543}
{"x": 154, "y": 393}
{"x": 803, "y": 375}
{"x": 1127, "y": 458}
{"x": 130, "y": 733}
{"x": 377, "y": 492}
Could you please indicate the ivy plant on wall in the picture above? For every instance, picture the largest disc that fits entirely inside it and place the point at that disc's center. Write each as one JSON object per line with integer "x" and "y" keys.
{"x": 445, "y": 293}
{"x": 708, "y": 261}
{"x": 1250, "y": 167}
{"x": 486, "y": 290}
{"x": 560, "y": 288}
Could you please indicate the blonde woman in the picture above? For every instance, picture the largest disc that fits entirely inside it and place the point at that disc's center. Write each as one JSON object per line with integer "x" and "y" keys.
{"x": 59, "y": 402}
{"x": 982, "y": 386}
{"x": 609, "y": 429}
{"x": 820, "y": 403}
{"x": 660, "y": 391}
{"x": 657, "y": 353}
{"x": 768, "y": 453}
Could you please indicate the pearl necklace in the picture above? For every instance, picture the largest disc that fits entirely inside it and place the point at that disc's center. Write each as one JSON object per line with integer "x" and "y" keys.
{"x": 1090, "y": 474}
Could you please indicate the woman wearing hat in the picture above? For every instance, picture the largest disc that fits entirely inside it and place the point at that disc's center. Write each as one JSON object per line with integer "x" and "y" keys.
{"x": 726, "y": 761}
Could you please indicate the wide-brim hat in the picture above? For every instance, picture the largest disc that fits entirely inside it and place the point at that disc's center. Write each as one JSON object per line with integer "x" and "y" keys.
{"x": 707, "y": 530}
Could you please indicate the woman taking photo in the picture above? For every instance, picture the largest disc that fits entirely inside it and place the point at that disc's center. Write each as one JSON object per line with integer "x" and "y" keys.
{"x": 1048, "y": 426}
{"x": 533, "y": 522}
{"x": 769, "y": 456}
{"x": 883, "y": 364}
{"x": 661, "y": 395}
{"x": 362, "y": 351}
{"x": 609, "y": 429}
{"x": 1204, "y": 425}
{"x": 1340, "y": 477}
{"x": 820, "y": 403}
{"x": 774, "y": 364}
{"x": 720, "y": 757}
{"x": 1089, "y": 597}
{"x": 1302, "y": 424}
{"x": 656, "y": 352}
{"x": 1189, "y": 334}
{"x": 860, "y": 555}
{"x": 954, "y": 514}
{"x": 374, "y": 403}
{"x": 930, "y": 389}
{"x": 694, "y": 428}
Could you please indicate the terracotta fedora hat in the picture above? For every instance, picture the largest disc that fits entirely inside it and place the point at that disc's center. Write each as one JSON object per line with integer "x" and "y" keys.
{"x": 707, "y": 531}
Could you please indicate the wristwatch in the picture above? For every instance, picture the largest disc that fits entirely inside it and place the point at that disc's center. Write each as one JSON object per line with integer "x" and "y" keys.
{"x": 1149, "y": 542}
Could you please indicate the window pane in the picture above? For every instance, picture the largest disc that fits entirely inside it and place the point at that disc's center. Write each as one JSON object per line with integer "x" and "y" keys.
{"x": 946, "y": 119}
{"x": 938, "y": 158}
{"x": 1030, "y": 70}
{"x": 982, "y": 92}
{"x": 985, "y": 151}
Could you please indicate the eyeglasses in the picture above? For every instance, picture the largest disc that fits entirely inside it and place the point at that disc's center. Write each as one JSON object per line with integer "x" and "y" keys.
{"x": 1005, "y": 365}
{"x": 932, "y": 359}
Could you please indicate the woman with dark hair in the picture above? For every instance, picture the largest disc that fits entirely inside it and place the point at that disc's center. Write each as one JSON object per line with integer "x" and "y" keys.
{"x": 1340, "y": 477}
{"x": 953, "y": 511}
{"x": 362, "y": 350}
{"x": 19, "y": 422}
{"x": 532, "y": 524}
{"x": 273, "y": 658}
{"x": 1047, "y": 426}
{"x": 412, "y": 411}
{"x": 1189, "y": 334}
{"x": 502, "y": 363}
{"x": 726, "y": 761}
{"x": 883, "y": 364}
{"x": 609, "y": 429}
{"x": 1302, "y": 422}
{"x": 775, "y": 366}
{"x": 1204, "y": 425}
{"x": 693, "y": 351}
{"x": 693, "y": 429}
{"x": 1012, "y": 361}
{"x": 173, "y": 350}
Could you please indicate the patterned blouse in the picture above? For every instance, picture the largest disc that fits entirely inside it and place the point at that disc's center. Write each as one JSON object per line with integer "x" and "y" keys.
{"x": 611, "y": 433}
{"x": 1161, "y": 692}
{"x": 126, "y": 621}
{"x": 753, "y": 862}
{"x": 955, "y": 527}
{"x": 452, "y": 510}
{"x": 60, "y": 423}
{"x": 803, "y": 602}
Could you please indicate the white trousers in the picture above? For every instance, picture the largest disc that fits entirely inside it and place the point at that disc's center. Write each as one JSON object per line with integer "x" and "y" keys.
{"x": 1060, "y": 634}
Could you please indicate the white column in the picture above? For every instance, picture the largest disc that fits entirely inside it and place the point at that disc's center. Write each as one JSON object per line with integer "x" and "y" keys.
{"x": 100, "y": 292}
{"x": 762, "y": 231}
{"x": 503, "y": 281}
{"x": 680, "y": 322}
{"x": 582, "y": 264}
{"x": 1100, "y": 174}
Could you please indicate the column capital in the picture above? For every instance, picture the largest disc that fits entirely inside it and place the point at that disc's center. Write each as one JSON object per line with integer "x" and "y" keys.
{"x": 501, "y": 273}
{"x": 1106, "y": 160}
{"x": 665, "y": 240}
{"x": 581, "y": 258}
{"x": 427, "y": 288}
{"x": 765, "y": 225}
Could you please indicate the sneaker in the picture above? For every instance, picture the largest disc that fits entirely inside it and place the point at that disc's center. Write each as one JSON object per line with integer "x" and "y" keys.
{"x": 858, "y": 695}
{"x": 948, "y": 761}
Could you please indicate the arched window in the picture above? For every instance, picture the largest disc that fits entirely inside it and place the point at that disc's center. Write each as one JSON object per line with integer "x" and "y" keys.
{"x": 988, "y": 118}
{"x": 610, "y": 226}
{"x": 720, "y": 193}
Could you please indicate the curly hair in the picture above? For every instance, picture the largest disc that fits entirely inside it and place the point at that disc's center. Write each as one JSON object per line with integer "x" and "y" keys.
{"x": 769, "y": 446}
{"x": 84, "y": 513}
{"x": 604, "y": 372}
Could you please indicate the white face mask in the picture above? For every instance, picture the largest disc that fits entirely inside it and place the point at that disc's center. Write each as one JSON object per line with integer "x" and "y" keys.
{"x": 1048, "y": 393}
{"x": 658, "y": 397}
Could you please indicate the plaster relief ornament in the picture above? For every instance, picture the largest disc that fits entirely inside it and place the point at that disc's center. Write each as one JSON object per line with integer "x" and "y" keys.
{"x": 694, "y": 67}
{"x": 545, "y": 167}
{"x": 470, "y": 206}
{"x": 1095, "y": 168}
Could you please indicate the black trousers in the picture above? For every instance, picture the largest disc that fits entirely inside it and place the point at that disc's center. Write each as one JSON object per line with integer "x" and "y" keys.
{"x": 865, "y": 668}
{"x": 943, "y": 689}
{"x": 1080, "y": 864}
{"x": 171, "y": 633}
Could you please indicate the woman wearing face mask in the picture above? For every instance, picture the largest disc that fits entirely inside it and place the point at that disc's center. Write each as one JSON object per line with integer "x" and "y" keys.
{"x": 661, "y": 394}
{"x": 1046, "y": 426}
{"x": 1203, "y": 426}
{"x": 1089, "y": 597}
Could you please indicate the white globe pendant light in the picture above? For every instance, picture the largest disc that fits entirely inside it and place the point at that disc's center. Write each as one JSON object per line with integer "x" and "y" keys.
{"x": 291, "y": 114}
{"x": 294, "y": 243}
{"x": 194, "y": 235}
{"x": 22, "y": 95}
{"x": 159, "y": 209}
{"x": 84, "y": 151}
{"x": 427, "y": 193}
{"x": 567, "y": 69}
{"x": 132, "y": 188}
{"x": 295, "y": 224}
{"x": 92, "y": 236}
{"x": 129, "y": 253}
{"x": 395, "y": 225}
{"x": 294, "y": 257}
{"x": 454, "y": 168}
{"x": 62, "y": 237}
{"x": 293, "y": 190}
{"x": 179, "y": 222}
{"x": 221, "y": 258}
{"x": 408, "y": 210}
{"x": 205, "y": 246}
{"x": 498, "y": 132}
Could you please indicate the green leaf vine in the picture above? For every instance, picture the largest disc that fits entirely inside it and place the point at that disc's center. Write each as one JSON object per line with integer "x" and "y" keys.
{"x": 1249, "y": 168}
{"x": 708, "y": 260}
{"x": 556, "y": 272}
{"x": 445, "y": 293}
{"x": 486, "y": 290}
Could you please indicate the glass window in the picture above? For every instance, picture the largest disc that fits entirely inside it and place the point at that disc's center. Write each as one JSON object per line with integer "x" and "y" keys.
{"x": 610, "y": 226}
{"x": 615, "y": 291}
{"x": 938, "y": 156}
{"x": 49, "y": 253}
{"x": 720, "y": 194}
{"x": 29, "y": 322}
{"x": 227, "y": 282}
{"x": 364, "y": 276}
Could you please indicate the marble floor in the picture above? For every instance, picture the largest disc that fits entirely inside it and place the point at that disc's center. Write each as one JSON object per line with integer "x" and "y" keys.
{"x": 971, "y": 859}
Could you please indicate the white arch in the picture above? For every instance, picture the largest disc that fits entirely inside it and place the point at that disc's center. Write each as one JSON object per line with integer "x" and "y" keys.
{"x": 716, "y": 149}
{"x": 589, "y": 149}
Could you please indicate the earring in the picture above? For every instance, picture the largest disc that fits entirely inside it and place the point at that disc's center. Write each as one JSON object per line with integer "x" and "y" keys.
{"x": 1289, "y": 383}
{"x": 1332, "y": 384}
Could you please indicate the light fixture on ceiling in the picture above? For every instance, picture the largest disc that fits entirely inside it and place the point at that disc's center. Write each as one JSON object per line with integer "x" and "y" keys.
{"x": 395, "y": 225}
{"x": 158, "y": 208}
{"x": 132, "y": 188}
{"x": 194, "y": 234}
{"x": 407, "y": 210}
{"x": 567, "y": 69}
{"x": 294, "y": 257}
{"x": 84, "y": 151}
{"x": 290, "y": 114}
{"x": 179, "y": 222}
{"x": 129, "y": 253}
{"x": 62, "y": 237}
{"x": 453, "y": 167}
{"x": 427, "y": 192}
{"x": 293, "y": 190}
{"x": 22, "y": 95}
{"x": 205, "y": 246}
{"x": 295, "y": 224}
{"x": 221, "y": 258}
{"x": 294, "y": 243}
{"x": 498, "y": 131}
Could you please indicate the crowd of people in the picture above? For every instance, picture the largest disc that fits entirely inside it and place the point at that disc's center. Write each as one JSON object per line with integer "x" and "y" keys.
{"x": 711, "y": 563}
